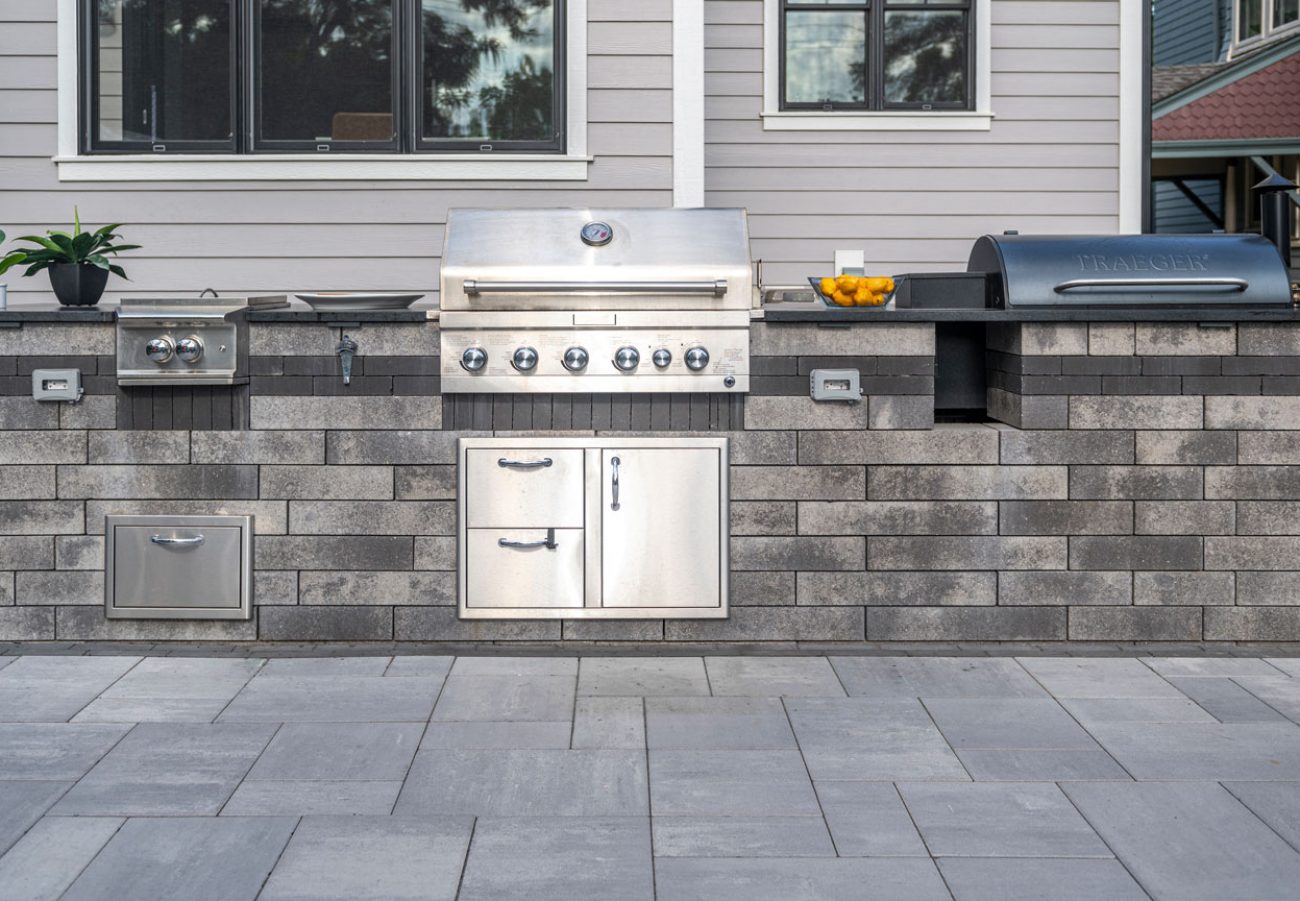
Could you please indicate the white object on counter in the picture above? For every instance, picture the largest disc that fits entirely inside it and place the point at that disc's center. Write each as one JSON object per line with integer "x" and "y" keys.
{"x": 4, "y": 296}
{"x": 849, "y": 262}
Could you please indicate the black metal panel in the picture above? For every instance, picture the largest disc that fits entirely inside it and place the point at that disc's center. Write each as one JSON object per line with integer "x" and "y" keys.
{"x": 199, "y": 408}
{"x": 593, "y": 412}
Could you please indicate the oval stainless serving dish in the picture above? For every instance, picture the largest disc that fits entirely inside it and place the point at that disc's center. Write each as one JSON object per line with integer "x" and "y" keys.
{"x": 344, "y": 301}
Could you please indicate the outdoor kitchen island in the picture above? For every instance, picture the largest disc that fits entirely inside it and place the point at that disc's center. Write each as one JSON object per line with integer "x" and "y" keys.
{"x": 1131, "y": 480}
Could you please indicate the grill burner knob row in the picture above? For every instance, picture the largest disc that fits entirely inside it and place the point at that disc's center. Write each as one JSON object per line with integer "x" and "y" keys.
{"x": 525, "y": 359}
{"x": 697, "y": 358}
{"x": 575, "y": 359}
{"x": 189, "y": 349}
{"x": 662, "y": 357}
{"x": 474, "y": 358}
{"x": 627, "y": 358}
{"x": 159, "y": 350}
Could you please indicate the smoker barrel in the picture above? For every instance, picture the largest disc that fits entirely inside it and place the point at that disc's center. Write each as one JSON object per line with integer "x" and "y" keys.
{"x": 1131, "y": 270}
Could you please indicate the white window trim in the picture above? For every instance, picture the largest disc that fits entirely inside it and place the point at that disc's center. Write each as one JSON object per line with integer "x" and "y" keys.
{"x": 777, "y": 119}
{"x": 1268, "y": 31}
{"x": 688, "y": 103}
{"x": 572, "y": 165}
{"x": 1134, "y": 126}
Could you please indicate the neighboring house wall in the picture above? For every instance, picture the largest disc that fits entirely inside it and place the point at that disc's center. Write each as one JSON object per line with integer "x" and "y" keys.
{"x": 1185, "y": 32}
{"x": 917, "y": 200}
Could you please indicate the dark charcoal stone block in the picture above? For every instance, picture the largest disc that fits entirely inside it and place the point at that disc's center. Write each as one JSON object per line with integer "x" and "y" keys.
{"x": 1137, "y": 384}
{"x": 897, "y": 385}
{"x": 905, "y": 366}
{"x": 1181, "y": 365}
{"x": 424, "y": 385}
{"x": 1281, "y": 385}
{"x": 280, "y": 385}
{"x": 322, "y": 365}
{"x": 1261, "y": 365}
{"x": 1101, "y": 365}
{"x": 1060, "y": 384}
{"x": 420, "y": 364}
{"x": 864, "y": 365}
{"x": 1066, "y": 518}
{"x": 266, "y": 365}
{"x": 8, "y": 365}
{"x": 1220, "y": 384}
{"x": 326, "y": 623}
{"x": 779, "y": 385}
{"x": 1138, "y": 552}
{"x": 1021, "y": 365}
{"x": 97, "y": 384}
{"x": 773, "y": 366}
{"x": 368, "y": 385}
{"x": 346, "y": 552}
{"x": 89, "y": 365}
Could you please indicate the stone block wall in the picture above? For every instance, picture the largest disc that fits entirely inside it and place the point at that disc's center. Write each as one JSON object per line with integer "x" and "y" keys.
{"x": 1128, "y": 517}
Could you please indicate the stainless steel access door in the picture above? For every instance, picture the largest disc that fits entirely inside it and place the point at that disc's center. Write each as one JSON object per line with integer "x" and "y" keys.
{"x": 661, "y": 529}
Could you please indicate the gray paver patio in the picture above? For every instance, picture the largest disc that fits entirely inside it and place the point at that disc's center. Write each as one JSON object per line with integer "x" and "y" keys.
{"x": 548, "y": 777}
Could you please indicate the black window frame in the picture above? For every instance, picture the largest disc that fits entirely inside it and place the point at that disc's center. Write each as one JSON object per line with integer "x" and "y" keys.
{"x": 246, "y": 131}
{"x": 874, "y": 12}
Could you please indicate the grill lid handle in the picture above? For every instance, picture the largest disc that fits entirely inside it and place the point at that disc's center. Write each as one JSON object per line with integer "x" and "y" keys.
{"x": 718, "y": 288}
{"x": 1222, "y": 284}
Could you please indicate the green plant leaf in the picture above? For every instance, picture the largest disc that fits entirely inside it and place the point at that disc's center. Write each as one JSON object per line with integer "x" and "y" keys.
{"x": 32, "y": 270}
{"x": 83, "y": 245}
{"x": 108, "y": 230}
{"x": 11, "y": 260}
{"x": 118, "y": 270}
{"x": 98, "y": 261}
{"x": 65, "y": 244}
{"x": 108, "y": 248}
{"x": 76, "y": 219}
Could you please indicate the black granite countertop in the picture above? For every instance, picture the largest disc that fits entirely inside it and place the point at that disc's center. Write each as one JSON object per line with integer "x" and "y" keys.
{"x": 20, "y": 311}
{"x": 819, "y": 312}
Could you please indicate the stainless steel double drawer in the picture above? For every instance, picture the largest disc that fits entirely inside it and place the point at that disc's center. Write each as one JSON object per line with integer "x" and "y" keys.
{"x": 178, "y": 567}
{"x": 613, "y": 528}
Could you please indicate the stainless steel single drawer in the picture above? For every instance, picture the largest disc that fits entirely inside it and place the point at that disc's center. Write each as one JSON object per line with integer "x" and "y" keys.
{"x": 545, "y": 565}
{"x": 178, "y": 567}
{"x": 533, "y": 487}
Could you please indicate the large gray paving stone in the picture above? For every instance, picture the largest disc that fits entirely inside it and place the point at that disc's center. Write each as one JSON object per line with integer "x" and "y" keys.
{"x": 22, "y": 804}
{"x": 798, "y": 879}
{"x": 754, "y": 724}
{"x": 168, "y": 769}
{"x": 999, "y": 820}
{"x": 360, "y": 857}
{"x": 1225, "y": 700}
{"x": 1014, "y": 765}
{"x": 777, "y": 836}
{"x": 871, "y": 739}
{"x": 1289, "y": 665}
{"x": 935, "y": 677}
{"x": 151, "y": 710}
{"x": 324, "y": 667}
{"x": 46, "y": 860}
{"x": 613, "y": 723}
{"x": 1276, "y": 803}
{"x": 770, "y": 677}
{"x": 1212, "y": 751}
{"x": 436, "y": 666}
{"x": 730, "y": 783}
{"x": 196, "y": 858}
{"x": 1024, "y": 723}
{"x": 312, "y": 797}
{"x": 1038, "y": 879}
{"x": 1096, "y": 711}
{"x": 55, "y": 688}
{"x": 526, "y": 783}
{"x": 340, "y": 699}
{"x": 511, "y": 735}
{"x": 644, "y": 676}
{"x": 560, "y": 859}
{"x": 515, "y": 666}
{"x": 1097, "y": 677}
{"x": 868, "y": 819}
{"x": 1211, "y": 666}
{"x": 192, "y": 678}
{"x": 1189, "y": 841}
{"x": 1283, "y": 695}
{"x": 53, "y": 752}
{"x": 505, "y": 699}
{"x": 375, "y": 752}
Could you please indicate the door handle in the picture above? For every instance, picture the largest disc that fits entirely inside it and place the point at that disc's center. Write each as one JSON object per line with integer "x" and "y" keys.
{"x": 524, "y": 464}
{"x": 613, "y": 465}
{"x": 548, "y": 542}
{"x": 192, "y": 541}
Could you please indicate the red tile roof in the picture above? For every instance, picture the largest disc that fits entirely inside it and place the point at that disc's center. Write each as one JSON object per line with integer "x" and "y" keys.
{"x": 1264, "y": 104}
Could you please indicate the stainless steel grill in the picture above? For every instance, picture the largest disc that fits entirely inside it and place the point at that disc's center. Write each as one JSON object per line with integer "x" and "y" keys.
{"x": 607, "y": 301}
{"x": 185, "y": 341}
{"x": 1132, "y": 270}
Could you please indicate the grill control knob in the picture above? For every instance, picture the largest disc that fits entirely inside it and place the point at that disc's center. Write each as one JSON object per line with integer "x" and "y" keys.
{"x": 627, "y": 358}
{"x": 575, "y": 359}
{"x": 525, "y": 359}
{"x": 159, "y": 350}
{"x": 189, "y": 349}
{"x": 697, "y": 358}
{"x": 474, "y": 358}
{"x": 662, "y": 357}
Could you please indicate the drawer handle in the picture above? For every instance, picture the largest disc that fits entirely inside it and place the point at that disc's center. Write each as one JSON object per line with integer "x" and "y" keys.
{"x": 613, "y": 465}
{"x": 192, "y": 541}
{"x": 525, "y": 464}
{"x": 548, "y": 542}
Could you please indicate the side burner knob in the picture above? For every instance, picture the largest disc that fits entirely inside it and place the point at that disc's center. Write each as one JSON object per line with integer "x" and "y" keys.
{"x": 662, "y": 358}
{"x": 627, "y": 358}
{"x": 697, "y": 358}
{"x": 474, "y": 358}
{"x": 159, "y": 350}
{"x": 525, "y": 359}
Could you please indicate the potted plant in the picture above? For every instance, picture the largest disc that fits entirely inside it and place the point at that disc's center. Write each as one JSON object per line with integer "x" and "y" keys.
{"x": 78, "y": 262}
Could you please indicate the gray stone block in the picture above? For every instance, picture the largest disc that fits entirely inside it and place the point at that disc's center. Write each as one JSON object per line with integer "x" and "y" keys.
{"x": 896, "y": 411}
{"x": 277, "y": 339}
{"x": 1136, "y": 482}
{"x": 1040, "y": 411}
{"x": 1182, "y": 589}
{"x": 966, "y": 482}
{"x": 27, "y": 552}
{"x": 1058, "y": 446}
{"x": 967, "y": 553}
{"x": 393, "y": 447}
{"x": 365, "y": 552}
{"x": 1268, "y": 339}
{"x": 762, "y": 589}
{"x": 798, "y": 482}
{"x": 1261, "y": 553}
{"x": 425, "y": 482}
{"x": 1249, "y": 623}
{"x": 94, "y": 411}
{"x": 1110, "y": 339}
{"x": 1267, "y": 448}
{"x": 89, "y": 624}
{"x": 269, "y": 517}
{"x": 25, "y": 413}
{"x": 209, "y": 481}
{"x": 47, "y": 446}
{"x": 1124, "y": 411}
{"x": 1039, "y": 338}
{"x": 372, "y": 517}
{"x": 435, "y": 553}
{"x": 1135, "y": 624}
{"x": 1066, "y": 518}
{"x": 369, "y": 589}
{"x": 1248, "y": 413}
{"x": 402, "y": 412}
{"x": 58, "y": 588}
{"x": 786, "y": 553}
{"x": 6, "y": 590}
{"x": 275, "y": 587}
{"x": 1137, "y": 552}
{"x": 1253, "y": 482}
{"x": 40, "y": 338}
{"x": 1056, "y": 589}
{"x": 763, "y": 518}
{"x": 1267, "y": 589}
{"x": 898, "y": 518}
{"x": 903, "y": 589}
{"x": 773, "y": 624}
{"x": 1184, "y": 339}
{"x": 156, "y": 446}
{"x": 326, "y": 623}
{"x": 27, "y": 482}
{"x": 441, "y": 624}
{"x": 41, "y": 517}
{"x": 770, "y": 448}
{"x": 1186, "y": 448}
{"x": 259, "y": 447}
{"x": 327, "y": 482}
{"x": 26, "y": 623}
{"x": 779, "y": 413}
{"x": 942, "y": 445}
{"x": 789, "y": 339}
{"x": 1185, "y": 518}
{"x": 966, "y": 624}
{"x": 613, "y": 630}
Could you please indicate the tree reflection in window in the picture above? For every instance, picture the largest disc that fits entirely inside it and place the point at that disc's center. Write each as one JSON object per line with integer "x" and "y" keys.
{"x": 924, "y": 57}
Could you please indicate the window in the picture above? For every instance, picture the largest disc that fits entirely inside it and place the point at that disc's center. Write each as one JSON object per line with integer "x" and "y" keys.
{"x": 314, "y": 76}
{"x": 876, "y": 55}
{"x": 1258, "y": 19}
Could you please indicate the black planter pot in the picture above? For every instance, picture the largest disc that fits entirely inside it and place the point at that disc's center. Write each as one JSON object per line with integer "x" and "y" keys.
{"x": 78, "y": 284}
